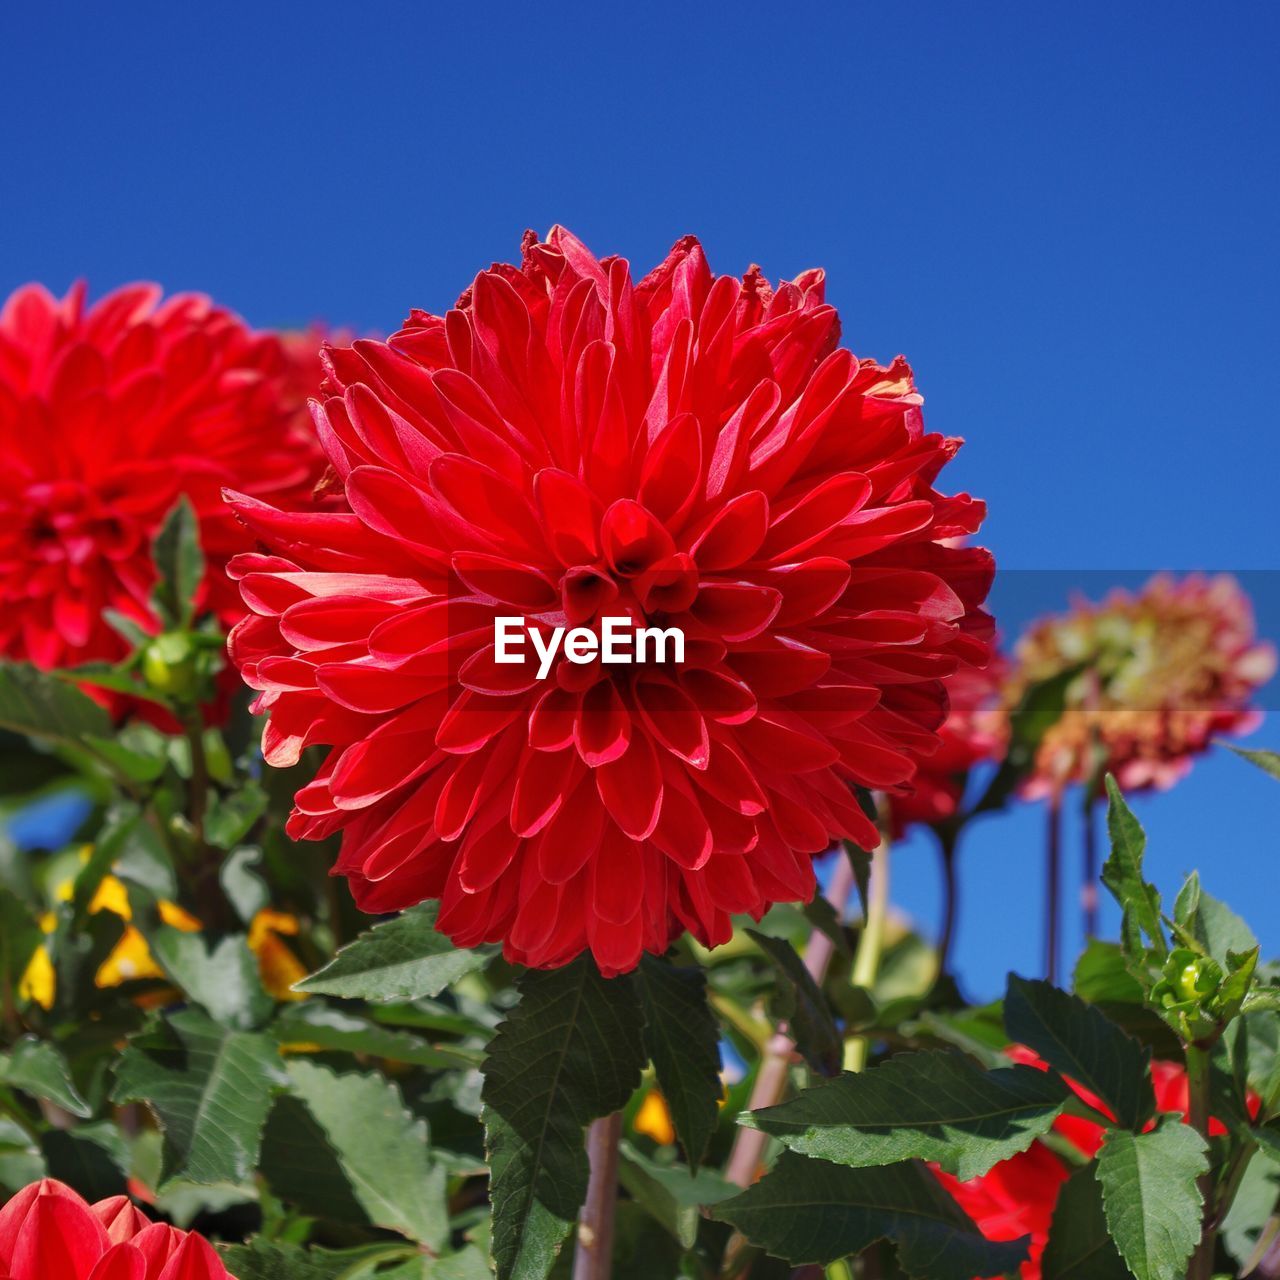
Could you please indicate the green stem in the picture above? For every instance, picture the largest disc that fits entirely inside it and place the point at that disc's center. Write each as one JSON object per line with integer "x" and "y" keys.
{"x": 866, "y": 961}
{"x": 1201, "y": 1266}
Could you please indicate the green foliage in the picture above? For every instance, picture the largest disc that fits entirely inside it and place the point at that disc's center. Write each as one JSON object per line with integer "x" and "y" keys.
{"x": 1080, "y": 1246}
{"x": 1150, "y": 1197}
{"x": 180, "y": 564}
{"x": 36, "y": 1067}
{"x": 681, "y": 1038}
{"x": 1076, "y": 1039}
{"x": 928, "y": 1106}
{"x": 44, "y": 706}
{"x": 569, "y": 1052}
{"x": 401, "y": 959}
{"x": 810, "y": 1211}
{"x": 802, "y": 1005}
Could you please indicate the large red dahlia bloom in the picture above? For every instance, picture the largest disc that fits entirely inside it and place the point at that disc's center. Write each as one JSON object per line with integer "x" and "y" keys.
{"x": 107, "y": 414}
{"x": 47, "y": 1232}
{"x": 565, "y": 446}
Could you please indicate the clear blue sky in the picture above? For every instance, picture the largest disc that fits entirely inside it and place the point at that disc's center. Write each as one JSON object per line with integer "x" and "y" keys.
{"x": 1065, "y": 218}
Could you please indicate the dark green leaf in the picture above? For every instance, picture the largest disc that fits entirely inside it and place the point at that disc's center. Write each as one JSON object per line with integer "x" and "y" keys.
{"x": 302, "y": 1169}
{"x": 210, "y": 1089}
{"x": 671, "y": 1193}
{"x": 382, "y": 1148}
{"x": 179, "y": 563}
{"x": 263, "y": 1259}
{"x": 568, "y": 1053}
{"x": 1122, "y": 872}
{"x": 36, "y": 1067}
{"x": 1102, "y": 977}
{"x": 20, "y": 935}
{"x": 1078, "y": 1040}
{"x": 803, "y": 1006}
{"x": 928, "y": 1106}
{"x": 1150, "y": 1196}
{"x": 809, "y": 1211}
{"x": 682, "y": 1039}
{"x": 1079, "y": 1247}
{"x": 41, "y": 705}
{"x": 92, "y": 1158}
{"x": 400, "y": 959}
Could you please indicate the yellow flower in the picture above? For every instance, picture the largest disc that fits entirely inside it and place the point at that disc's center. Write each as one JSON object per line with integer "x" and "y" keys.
{"x": 131, "y": 958}
{"x": 654, "y": 1119}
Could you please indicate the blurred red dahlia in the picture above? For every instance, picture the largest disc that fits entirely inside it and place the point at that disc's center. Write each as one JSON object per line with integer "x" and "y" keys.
{"x": 107, "y": 414}
{"x": 566, "y": 445}
{"x": 47, "y": 1232}
{"x": 1163, "y": 671}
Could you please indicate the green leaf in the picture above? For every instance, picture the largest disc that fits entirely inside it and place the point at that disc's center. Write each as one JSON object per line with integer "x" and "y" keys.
{"x": 1267, "y": 761}
{"x": 1079, "y": 1246}
{"x": 382, "y": 1148}
{"x": 232, "y": 817}
{"x": 400, "y": 959}
{"x": 20, "y": 935}
{"x": 42, "y": 705}
{"x": 36, "y": 1067}
{"x": 92, "y": 1158}
{"x": 1150, "y": 1196}
{"x": 802, "y": 1004}
{"x": 682, "y": 1039}
{"x": 179, "y": 563}
{"x": 210, "y": 1089}
{"x": 1122, "y": 871}
{"x": 224, "y": 981}
{"x": 1078, "y": 1040}
{"x": 671, "y": 1194}
{"x": 1102, "y": 976}
{"x": 263, "y": 1259}
{"x": 1252, "y": 1207}
{"x": 567, "y": 1054}
{"x": 316, "y": 1023}
{"x": 809, "y": 1211}
{"x": 246, "y": 890}
{"x": 927, "y": 1106}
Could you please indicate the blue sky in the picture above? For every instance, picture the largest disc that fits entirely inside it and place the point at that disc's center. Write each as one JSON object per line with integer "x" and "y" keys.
{"x": 1063, "y": 215}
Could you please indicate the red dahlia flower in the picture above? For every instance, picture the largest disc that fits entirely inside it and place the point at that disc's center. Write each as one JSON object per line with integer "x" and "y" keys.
{"x": 1165, "y": 670}
{"x": 691, "y": 452}
{"x": 47, "y": 1232}
{"x": 107, "y": 414}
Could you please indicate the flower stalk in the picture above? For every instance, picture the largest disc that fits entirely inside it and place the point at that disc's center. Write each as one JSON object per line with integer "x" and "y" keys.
{"x": 866, "y": 960}
{"x": 1201, "y": 1264}
{"x": 593, "y": 1258}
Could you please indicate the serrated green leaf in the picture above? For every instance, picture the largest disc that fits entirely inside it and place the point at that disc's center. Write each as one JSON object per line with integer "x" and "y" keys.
{"x": 1079, "y": 1246}
{"x": 928, "y": 1106}
{"x": 210, "y": 1089}
{"x": 671, "y": 1193}
{"x": 1078, "y": 1040}
{"x": 382, "y": 1148}
{"x": 1150, "y": 1196}
{"x": 179, "y": 563}
{"x": 225, "y": 982}
{"x": 1122, "y": 872}
{"x": 803, "y": 1006}
{"x": 400, "y": 959}
{"x": 682, "y": 1039}
{"x": 1267, "y": 761}
{"x": 1102, "y": 977}
{"x": 568, "y": 1053}
{"x": 263, "y": 1259}
{"x": 810, "y": 1211}
{"x": 38, "y": 704}
{"x": 36, "y": 1067}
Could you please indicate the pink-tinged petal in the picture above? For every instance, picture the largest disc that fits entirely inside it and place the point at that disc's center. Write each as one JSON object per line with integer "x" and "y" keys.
{"x": 736, "y": 611}
{"x": 631, "y": 788}
{"x": 674, "y": 719}
{"x": 120, "y": 1262}
{"x": 500, "y": 579}
{"x": 59, "y": 1239}
{"x": 602, "y": 730}
{"x": 195, "y": 1259}
{"x": 121, "y": 1217}
{"x": 543, "y": 780}
{"x": 633, "y": 539}
{"x": 571, "y": 515}
{"x": 734, "y": 533}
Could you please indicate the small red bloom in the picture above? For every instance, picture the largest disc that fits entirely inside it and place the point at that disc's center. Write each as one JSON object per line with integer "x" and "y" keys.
{"x": 47, "y": 1232}
{"x": 107, "y": 414}
{"x": 566, "y": 446}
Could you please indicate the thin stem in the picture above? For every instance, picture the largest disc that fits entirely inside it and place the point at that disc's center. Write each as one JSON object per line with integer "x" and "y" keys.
{"x": 1053, "y": 881}
{"x": 199, "y": 799}
{"x": 1089, "y": 885}
{"x": 948, "y": 840}
{"x": 775, "y": 1061}
{"x": 866, "y": 961}
{"x": 593, "y": 1259}
{"x": 1201, "y": 1266}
